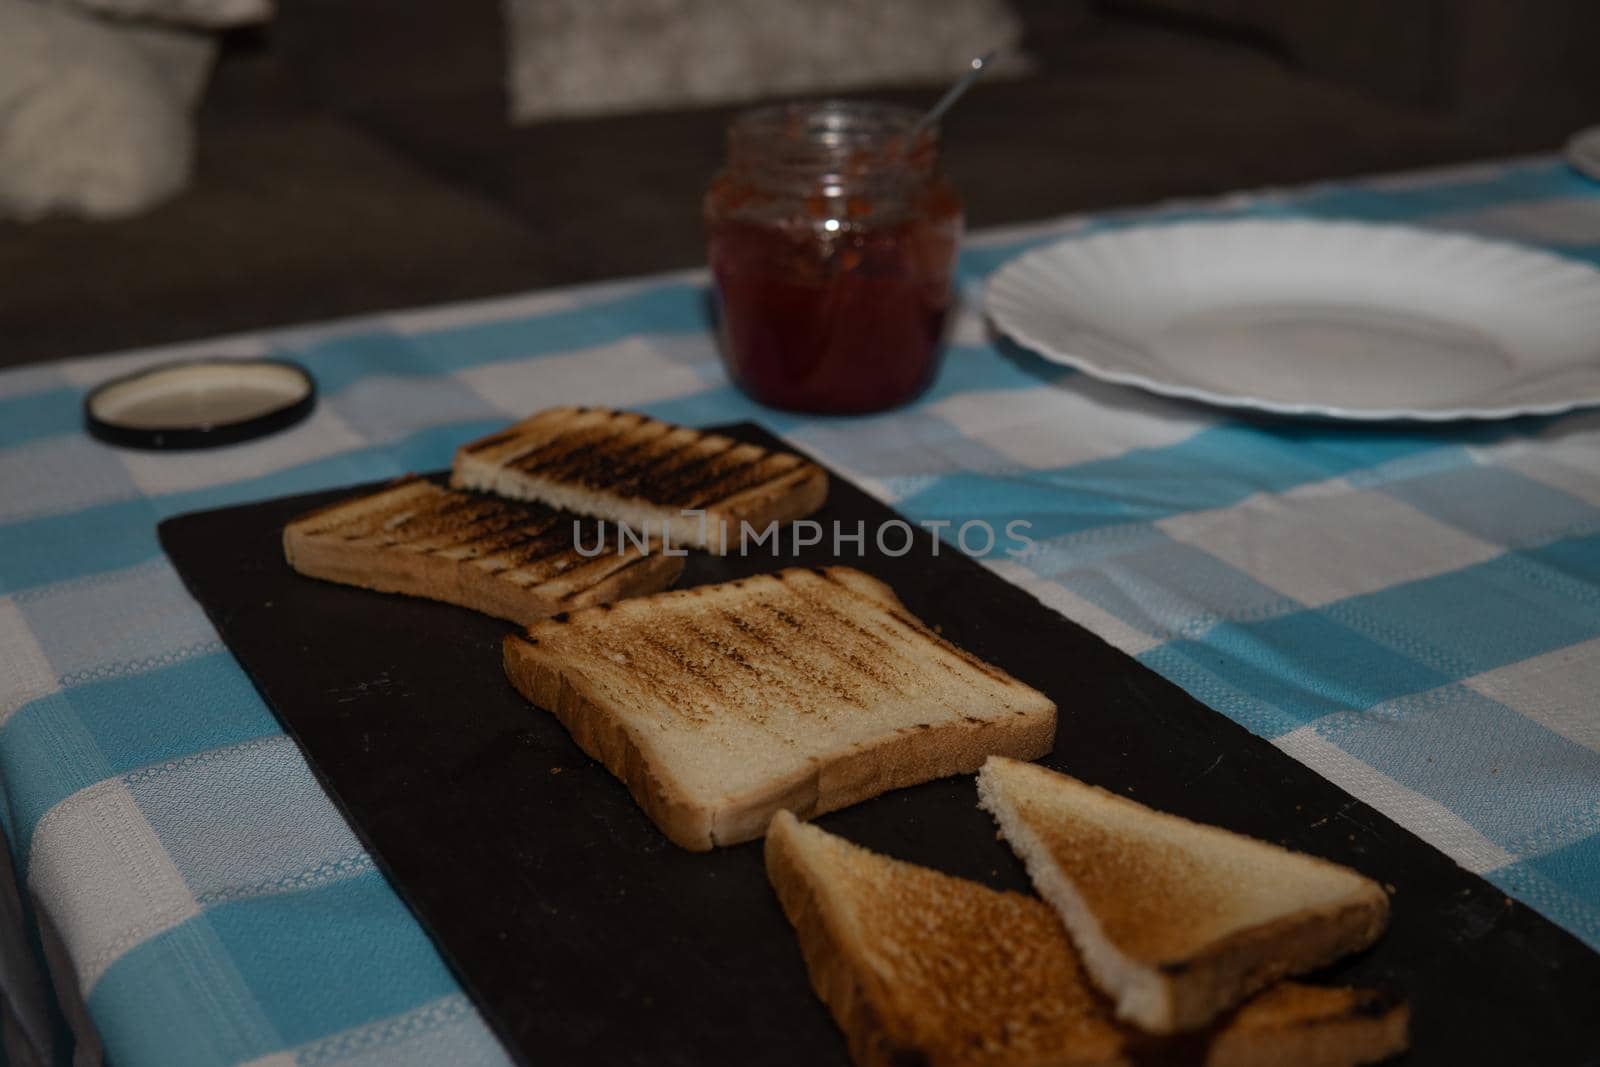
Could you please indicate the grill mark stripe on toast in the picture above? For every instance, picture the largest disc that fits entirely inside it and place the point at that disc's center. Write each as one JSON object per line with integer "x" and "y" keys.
{"x": 535, "y": 551}
{"x": 819, "y": 604}
{"x": 479, "y": 535}
{"x": 581, "y": 465}
{"x": 599, "y": 466}
{"x": 318, "y": 520}
{"x": 477, "y": 527}
{"x": 707, "y": 449}
{"x": 727, "y": 652}
{"x": 564, "y": 445}
{"x": 449, "y": 518}
{"x": 763, "y": 470}
{"x": 913, "y": 625}
{"x": 628, "y": 479}
{"x": 452, "y": 520}
{"x": 732, "y": 482}
{"x": 525, "y": 436}
{"x": 618, "y": 566}
{"x": 971, "y": 660}
{"x": 444, "y": 509}
{"x": 493, "y": 543}
{"x": 557, "y": 448}
{"x": 341, "y": 522}
{"x": 680, "y": 663}
{"x": 806, "y": 671}
{"x": 853, "y": 656}
{"x": 676, "y": 464}
{"x": 524, "y": 550}
{"x": 682, "y": 490}
{"x": 875, "y": 668}
{"x": 545, "y": 568}
{"x": 364, "y": 520}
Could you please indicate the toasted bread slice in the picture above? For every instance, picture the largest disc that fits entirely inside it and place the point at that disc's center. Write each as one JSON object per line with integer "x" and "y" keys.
{"x": 644, "y": 473}
{"x": 503, "y": 558}
{"x": 920, "y": 967}
{"x": 1176, "y": 921}
{"x": 805, "y": 689}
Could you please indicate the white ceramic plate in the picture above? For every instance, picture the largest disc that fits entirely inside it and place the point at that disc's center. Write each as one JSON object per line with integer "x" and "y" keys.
{"x": 1340, "y": 319}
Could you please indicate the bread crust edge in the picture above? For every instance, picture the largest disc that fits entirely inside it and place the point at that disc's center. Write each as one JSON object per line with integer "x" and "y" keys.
{"x": 1203, "y": 987}
{"x": 836, "y": 979}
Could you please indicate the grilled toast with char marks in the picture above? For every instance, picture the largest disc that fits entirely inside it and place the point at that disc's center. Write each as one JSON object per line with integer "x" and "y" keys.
{"x": 921, "y": 967}
{"x": 504, "y": 558}
{"x": 1176, "y": 921}
{"x": 805, "y": 690}
{"x": 642, "y": 472}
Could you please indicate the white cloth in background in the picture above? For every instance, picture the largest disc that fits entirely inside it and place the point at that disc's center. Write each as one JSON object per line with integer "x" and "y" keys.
{"x": 575, "y": 57}
{"x": 200, "y": 13}
{"x": 87, "y": 125}
{"x": 95, "y": 116}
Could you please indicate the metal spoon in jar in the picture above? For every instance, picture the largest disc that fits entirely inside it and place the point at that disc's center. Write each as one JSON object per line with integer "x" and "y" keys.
{"x": 954, "y": 93}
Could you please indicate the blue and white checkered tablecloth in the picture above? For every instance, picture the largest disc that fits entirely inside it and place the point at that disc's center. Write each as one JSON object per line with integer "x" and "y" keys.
{"x": 1413, "y": 612}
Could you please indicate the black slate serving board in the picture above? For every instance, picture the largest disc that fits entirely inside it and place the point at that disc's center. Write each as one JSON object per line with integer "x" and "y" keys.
{"x": 585, "y": 936}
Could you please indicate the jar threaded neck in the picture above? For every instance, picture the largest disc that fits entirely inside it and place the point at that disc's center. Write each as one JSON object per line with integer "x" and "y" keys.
{"x": 835, "y": 148}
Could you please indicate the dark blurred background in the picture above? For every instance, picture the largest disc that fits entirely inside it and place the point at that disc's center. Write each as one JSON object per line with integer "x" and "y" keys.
{"x": 354, "y": 155}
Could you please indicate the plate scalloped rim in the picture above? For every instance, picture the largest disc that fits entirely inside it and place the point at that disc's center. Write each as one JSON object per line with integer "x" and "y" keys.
{"x": 1034, "y": 262}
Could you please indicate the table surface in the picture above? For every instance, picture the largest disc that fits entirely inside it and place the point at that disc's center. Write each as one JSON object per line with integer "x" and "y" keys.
{"x": 1413, "y": 612}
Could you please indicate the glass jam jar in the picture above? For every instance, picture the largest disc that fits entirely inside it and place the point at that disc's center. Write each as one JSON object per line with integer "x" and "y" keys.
{"x": 832, "y": 241}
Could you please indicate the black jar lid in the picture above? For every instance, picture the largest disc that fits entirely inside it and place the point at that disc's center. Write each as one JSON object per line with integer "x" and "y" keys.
{"x": 200, "y": 403}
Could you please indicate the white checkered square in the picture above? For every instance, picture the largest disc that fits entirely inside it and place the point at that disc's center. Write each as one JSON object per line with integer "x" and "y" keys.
{"x": 1570, "y": 466}
{"x": 25, "y": 672}
{"x": 1328, "y": 541}
{"x": 322, "y": 434}
{"x": 117, "y": 623}
{"x": 100, "y": 871}
{"x": 623, "y": 374}
{"x": 1559, "y": 690}
{"x": 1565, "y": 455}
{"x": 55, "y": 475}
{"x": 1426, "y": 818}
{"x": 1568, "y": 220}
{"x": 479, "y": 312}
{"x": 1071, "y": 422}
{"x": 97, "y": 369}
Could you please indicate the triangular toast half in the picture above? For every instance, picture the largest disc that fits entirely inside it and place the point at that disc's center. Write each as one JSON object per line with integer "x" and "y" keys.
{"x": 1176, "y": 921}
{"x": 803, "y": 689}
{"x": 921, "y": 967}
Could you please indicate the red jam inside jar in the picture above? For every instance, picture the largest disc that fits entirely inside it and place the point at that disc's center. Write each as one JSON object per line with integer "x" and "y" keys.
{"x": 832, "y": 240}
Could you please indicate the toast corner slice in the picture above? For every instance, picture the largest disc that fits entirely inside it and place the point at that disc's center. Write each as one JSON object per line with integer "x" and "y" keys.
{"x": 1176, "y": 921}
